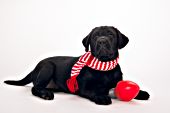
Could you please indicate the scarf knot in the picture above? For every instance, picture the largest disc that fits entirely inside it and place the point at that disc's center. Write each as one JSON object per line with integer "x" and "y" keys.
{"x": 88, "y": 60}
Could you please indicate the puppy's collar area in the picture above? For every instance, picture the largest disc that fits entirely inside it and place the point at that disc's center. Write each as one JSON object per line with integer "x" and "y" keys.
{"x": 96, "y": 64}
{"x": 88, "y": 60}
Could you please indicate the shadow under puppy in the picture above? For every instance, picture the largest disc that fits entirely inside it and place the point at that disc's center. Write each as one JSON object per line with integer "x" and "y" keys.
{"x": 52, "y": 74}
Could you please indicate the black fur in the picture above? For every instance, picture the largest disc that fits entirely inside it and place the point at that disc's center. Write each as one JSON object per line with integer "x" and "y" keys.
{"x": 51, "y": 74}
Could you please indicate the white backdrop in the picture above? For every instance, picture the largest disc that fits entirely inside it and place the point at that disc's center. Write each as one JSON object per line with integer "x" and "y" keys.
{"x": 31, "y": 30}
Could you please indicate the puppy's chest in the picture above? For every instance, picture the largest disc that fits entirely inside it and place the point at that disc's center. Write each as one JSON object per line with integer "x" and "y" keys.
{"x": 96, "y": 77}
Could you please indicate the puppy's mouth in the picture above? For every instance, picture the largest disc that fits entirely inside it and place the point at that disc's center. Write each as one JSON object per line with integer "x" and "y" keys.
{"x": 105, "y": 56}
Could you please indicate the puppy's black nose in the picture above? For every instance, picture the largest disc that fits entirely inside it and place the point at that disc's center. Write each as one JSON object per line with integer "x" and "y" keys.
{"x": 102, "y": 41}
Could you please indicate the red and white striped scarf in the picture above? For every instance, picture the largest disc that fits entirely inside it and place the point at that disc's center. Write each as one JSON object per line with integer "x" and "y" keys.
{"x": 88, "y": 60}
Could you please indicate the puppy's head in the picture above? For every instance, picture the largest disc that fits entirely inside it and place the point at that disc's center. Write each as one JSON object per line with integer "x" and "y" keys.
{"x": 104, "y": 42}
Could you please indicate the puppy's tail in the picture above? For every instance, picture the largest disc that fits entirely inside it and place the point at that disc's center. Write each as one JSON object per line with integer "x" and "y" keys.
{"x": 24, "y": 81}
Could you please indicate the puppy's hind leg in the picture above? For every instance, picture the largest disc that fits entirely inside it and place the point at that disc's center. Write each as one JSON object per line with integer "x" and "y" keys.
{"x": 142, "y": 95}
{"x": 41, "y": 80}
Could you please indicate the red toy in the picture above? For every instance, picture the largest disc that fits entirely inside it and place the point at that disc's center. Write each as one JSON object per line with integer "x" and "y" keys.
{"x": 126, "y": 90}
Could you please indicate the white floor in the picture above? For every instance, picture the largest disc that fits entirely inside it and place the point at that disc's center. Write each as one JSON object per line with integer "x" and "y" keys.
{"x": 20, "y": 100}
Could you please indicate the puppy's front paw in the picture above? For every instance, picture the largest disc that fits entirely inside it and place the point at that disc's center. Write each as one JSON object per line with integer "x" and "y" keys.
{"x": 142, "y": 95}
{"x": 102, "y": 100}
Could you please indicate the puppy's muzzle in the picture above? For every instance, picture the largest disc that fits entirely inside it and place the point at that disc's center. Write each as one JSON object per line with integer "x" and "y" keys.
{"x": 103, "y": 47}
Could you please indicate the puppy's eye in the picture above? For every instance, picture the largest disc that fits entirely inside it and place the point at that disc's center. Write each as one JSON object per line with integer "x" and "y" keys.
{"x": 112, "y": 36}
{"x": 96, "y": 37}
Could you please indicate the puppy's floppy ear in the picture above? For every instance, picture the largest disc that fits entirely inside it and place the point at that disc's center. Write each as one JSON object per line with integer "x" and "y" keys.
{"x": 122, "y": 39}
{"x": 86, "y": 42}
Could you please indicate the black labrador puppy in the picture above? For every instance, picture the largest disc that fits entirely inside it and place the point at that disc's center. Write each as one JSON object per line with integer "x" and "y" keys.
{"x": 51, "y": 74}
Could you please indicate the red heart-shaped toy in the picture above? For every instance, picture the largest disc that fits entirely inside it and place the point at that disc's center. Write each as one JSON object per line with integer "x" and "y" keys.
{"x": 126, "y": 90}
